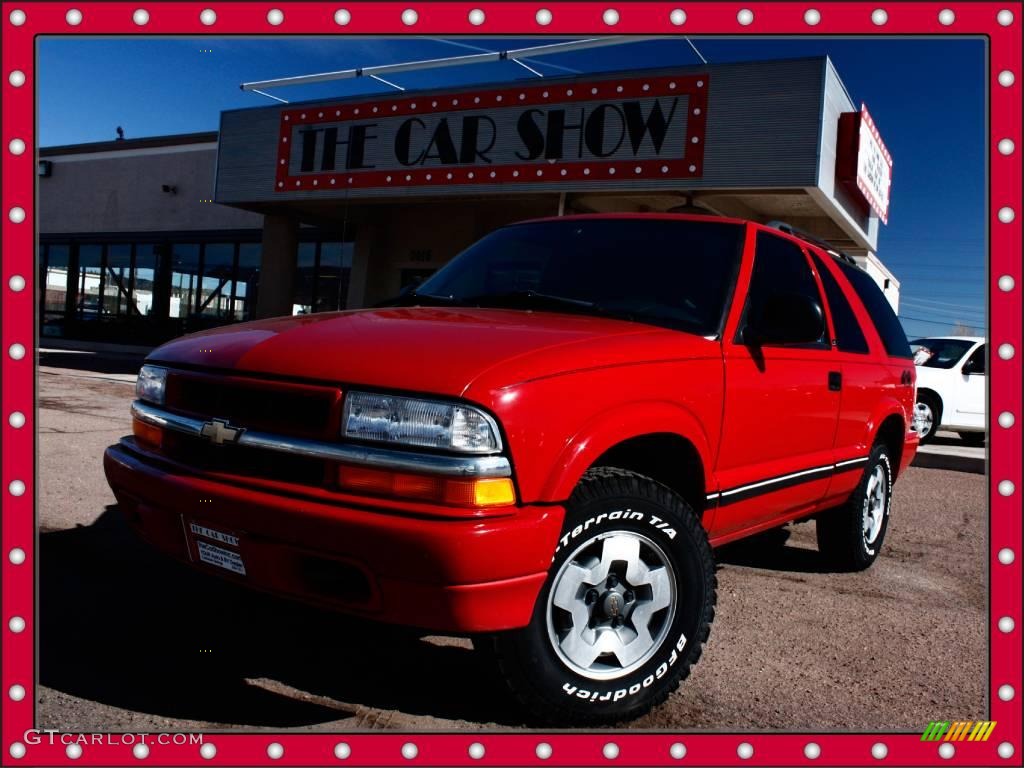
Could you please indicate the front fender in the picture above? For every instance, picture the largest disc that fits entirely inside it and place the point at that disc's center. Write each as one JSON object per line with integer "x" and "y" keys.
{"x": 616, "y": 425}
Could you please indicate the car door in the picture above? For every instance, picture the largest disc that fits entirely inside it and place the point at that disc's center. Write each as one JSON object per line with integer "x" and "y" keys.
{"x": 781, "y": 401}
{"x": 970, "y": 381}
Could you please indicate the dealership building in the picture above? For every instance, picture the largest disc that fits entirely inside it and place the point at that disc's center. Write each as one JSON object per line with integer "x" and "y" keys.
{"x": 321, "y": 206}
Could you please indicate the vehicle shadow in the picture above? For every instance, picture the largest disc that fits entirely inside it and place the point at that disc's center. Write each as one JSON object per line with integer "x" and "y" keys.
{"x": 769, "y": 551}
{"x": 124, "y": 626}
{"x": 91, "y": 361}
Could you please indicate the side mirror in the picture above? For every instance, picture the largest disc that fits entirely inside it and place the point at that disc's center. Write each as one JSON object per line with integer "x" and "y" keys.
{"x": 786, "y": 318}
{"x": 971, "y": 367}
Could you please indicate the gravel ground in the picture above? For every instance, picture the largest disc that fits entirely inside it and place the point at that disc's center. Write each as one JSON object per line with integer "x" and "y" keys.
{"x": 130, "y": 641}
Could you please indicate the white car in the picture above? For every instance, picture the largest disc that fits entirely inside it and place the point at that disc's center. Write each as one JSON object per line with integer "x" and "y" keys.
{"x": 951, "y": 387}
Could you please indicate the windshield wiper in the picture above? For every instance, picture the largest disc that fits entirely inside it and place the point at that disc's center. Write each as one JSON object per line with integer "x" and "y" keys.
{"x": 527, "y": 296}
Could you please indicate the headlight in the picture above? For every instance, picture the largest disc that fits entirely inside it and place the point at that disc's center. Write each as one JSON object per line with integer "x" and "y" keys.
{"x": 427, "y": 423}
{"x": 151, "y": 384}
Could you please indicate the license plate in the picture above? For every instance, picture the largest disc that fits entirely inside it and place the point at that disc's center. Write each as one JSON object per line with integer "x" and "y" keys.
{"x": 222, "y": 558}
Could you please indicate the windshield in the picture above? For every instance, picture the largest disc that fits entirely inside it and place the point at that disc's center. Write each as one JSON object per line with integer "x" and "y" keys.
{"x": 675, "y": 273}
{"x": 940, "y": 353}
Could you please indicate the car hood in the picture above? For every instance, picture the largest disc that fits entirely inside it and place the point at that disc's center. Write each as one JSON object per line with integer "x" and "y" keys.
{"x": 423, "y": 349}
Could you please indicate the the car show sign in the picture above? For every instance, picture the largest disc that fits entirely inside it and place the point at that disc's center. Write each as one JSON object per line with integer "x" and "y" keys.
{"x": 640, "y": 128}
{"x": 864, "y": 161}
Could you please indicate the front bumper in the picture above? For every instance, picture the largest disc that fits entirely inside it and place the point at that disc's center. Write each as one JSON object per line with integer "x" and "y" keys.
{"x": 446, "y": 575}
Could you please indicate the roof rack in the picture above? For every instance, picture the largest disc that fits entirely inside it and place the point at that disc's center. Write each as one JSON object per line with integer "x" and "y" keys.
{"x": 825, "y": 245}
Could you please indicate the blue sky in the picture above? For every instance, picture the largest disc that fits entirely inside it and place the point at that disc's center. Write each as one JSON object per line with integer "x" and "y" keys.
{"x": 926, "y": 96}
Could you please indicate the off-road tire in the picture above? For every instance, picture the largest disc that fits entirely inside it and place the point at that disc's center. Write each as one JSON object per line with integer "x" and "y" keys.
{"x": 549, "y": 689}
{"x": 842, "y": 541}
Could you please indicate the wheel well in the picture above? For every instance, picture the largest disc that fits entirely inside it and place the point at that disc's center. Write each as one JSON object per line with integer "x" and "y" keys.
{"x": 891, "y": 434}
{"x": 664, "y": 457}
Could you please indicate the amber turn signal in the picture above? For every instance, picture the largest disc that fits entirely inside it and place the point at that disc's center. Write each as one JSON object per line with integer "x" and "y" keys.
{"x": 480, "y": 492}
{"x": 148, "y": 435}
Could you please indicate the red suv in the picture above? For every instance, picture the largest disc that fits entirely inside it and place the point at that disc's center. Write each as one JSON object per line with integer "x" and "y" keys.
{"x": 540, "y": 446}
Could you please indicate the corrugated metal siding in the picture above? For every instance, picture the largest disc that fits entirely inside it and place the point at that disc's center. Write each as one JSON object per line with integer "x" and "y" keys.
{"x": 762, "y": 131}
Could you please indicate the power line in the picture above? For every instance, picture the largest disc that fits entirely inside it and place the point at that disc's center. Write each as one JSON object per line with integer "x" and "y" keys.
{"x": 942, "y": 303}
{"x": 935, "y": 322}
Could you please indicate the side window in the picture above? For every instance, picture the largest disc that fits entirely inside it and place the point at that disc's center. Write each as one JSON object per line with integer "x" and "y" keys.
{"x": 976, "y": 362}
{"x": 886, "y": 323}
{"x": 780, "y": 268}
{"x": 849, "y": 336}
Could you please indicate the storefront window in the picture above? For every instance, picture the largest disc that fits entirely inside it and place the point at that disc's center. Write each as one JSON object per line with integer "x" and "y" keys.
{"x": 90, "y": 282}
{"x": 117, "y": 280}
{"x": 305, "y": 276}
{"x": 145, "y": 278}
{"x": 247, "y": 280}
{"x": 53, "y": 277}
{"x": 217, "y": 283}
{"x": 184, "y": 278}
{"x": 332, "y": 276}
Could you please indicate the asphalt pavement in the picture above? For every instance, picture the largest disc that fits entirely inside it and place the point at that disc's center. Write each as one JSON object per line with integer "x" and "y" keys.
{"x": 129, "y": 640}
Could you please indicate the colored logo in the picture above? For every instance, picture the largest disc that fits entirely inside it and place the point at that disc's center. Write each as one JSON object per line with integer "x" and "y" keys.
{"x": 960, "y": 730}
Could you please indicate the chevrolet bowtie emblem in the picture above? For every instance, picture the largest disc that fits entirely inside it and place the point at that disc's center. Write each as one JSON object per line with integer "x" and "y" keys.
{"x": 219, "y": 432}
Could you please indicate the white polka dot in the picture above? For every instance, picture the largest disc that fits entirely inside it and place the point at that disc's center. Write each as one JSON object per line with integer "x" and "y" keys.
{"x": 16, "y": 419}
{"x": 342, "y": 751}
{"x": 342, "y": 17}
{"x": 476, "y": 750}
{"x": 1006, "y": 146}
{"x": 1006, "y": 283}
{"x": 745, "y": 750}
{"x": 16, "y": 488}
{"x": 610, "y": 751}
{"x": 1006, "y": 487}
{"x": 543, "y": 750}
{"x": 16, "y": 147}
{"x": 812, "y": 751}
{"x": 664, "y": 169}
{"x": 638, "y": 169}
{"x": 73, "y": 751}
{"x": 1005, "y": 750}
{"x": 16, "y": 283}
{"x": 141, "y": 19}
{"x": 586, "y": 171}
{"x": 812, "y": 18}
{"x": 696, "y": 110}
{"x": 1006, "y": 556}
{"x": 275, "y": 16}
{"x": 946, "y": 17}
{"x": 16, "y": 351}
{"x": 543, "y": 17}
{"x": 1006, "y": 351}
{"x": 677, "y": 750}
{"x": 1006, "y": 420}
{"x": 17, "y": 17}
{"x": 17, "y": 750}
{"x": 477, "y": 17}
{"x": 16, "y": 78}
{"x": 16, "y": 692}
{"x": 700, "y": 83}
{"x": 695, "y": 140}
{"x": 16, "y": 214}
{"x": 946, "y": 750}
{"x": 141, "y": 751}
{"x": 745, "y": 17}
{"x": 610, "y": 17}
{"x": 693, "y": 168}
{"x": 1006, "y": 625}
{"x": 16, "y": 624}
{"x": 879, "y": 751}
{"x": 1006, "y": 215}
{"x": 410, "y": 750}
{"x": 275, "y": 751}
{"x": 611, "y": 171}
{"x": 1006, "y": 692}
{"x": 208, "y": 751}
{"x": 1005, "y": 17}
{"x": 677, "y": 17}
{"x": 878, "y": 18}
{"x": 17, "y": 556}
{"x": 1006, "y": 78}
{"x": 410, "y": 17}
{"x": 208, "y": 17}
{"x": 73, "y": 17}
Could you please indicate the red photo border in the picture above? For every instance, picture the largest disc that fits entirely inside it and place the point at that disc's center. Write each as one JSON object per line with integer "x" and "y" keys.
{"x": 597, "y": 171}
{"x": 1000, "y": 22}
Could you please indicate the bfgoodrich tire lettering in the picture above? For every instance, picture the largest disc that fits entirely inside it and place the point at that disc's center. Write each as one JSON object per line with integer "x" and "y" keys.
{"x": 850, "y": 537}
{"x": 656, "y": 586}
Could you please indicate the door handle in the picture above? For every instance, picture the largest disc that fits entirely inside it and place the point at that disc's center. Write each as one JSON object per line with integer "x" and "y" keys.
{"x": 835, "y": 381}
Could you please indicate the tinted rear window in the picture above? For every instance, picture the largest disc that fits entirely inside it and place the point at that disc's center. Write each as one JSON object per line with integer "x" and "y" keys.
{"x": 849, "y": 336}
{"x": 894, "y": 339}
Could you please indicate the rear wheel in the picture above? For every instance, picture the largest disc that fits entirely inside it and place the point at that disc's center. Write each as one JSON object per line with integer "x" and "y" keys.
{"x": 850, "y": 537}
{"x": 927, "y": 416}
{"x": 625, "y": 610}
